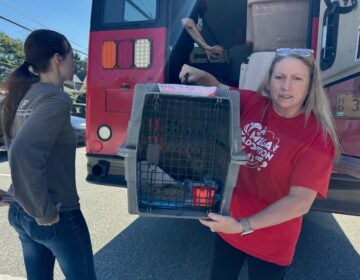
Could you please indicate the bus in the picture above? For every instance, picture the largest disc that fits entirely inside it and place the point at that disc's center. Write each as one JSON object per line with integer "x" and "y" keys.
{"x": 137, "y": 41}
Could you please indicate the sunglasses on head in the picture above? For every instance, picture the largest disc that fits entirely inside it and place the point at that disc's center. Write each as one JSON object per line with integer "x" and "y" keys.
{"x": 299, "y": 52}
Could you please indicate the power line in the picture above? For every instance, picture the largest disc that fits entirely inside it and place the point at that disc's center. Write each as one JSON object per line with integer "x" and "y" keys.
{"x": 17, "y": 24}
{"x": 21, "y": 13}
{"x": 33, "y": 20}
{"x": 28, "y": 29}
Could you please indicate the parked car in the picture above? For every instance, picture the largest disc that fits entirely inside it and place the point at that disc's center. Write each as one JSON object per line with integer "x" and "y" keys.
{"x": 78, "y": 110}
{"x": 79, "y": 125}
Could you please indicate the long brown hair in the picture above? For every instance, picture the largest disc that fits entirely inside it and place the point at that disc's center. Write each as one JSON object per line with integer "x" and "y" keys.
{"x": 316, "y": 101}
{"x": 39, "y": 47}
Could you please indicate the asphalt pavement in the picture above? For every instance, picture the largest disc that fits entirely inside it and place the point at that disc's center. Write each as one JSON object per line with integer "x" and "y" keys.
{"x": 131, "y": 248}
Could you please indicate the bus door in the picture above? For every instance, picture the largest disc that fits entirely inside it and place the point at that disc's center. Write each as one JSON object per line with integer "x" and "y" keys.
{"x": 338, "y": 55}
{"x": 217, "y": 21}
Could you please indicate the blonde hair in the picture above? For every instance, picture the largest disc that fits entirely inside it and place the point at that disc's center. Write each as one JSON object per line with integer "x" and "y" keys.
{"x": 316, "y": 101}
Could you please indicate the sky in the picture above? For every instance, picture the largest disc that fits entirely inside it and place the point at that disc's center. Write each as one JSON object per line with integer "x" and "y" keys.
{"x": 69, "y": 17}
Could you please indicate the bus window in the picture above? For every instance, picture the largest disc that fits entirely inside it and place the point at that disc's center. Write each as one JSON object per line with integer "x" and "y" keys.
{"x": 140, "y": 10}
{"x": 129, "y": 11}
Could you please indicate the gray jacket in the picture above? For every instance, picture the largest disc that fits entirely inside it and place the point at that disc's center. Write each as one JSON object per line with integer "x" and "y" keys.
{"x": 41, "y": 153}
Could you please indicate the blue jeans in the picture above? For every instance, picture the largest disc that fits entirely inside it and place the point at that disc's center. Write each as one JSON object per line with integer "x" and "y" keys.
{"x": 67, "y": 241}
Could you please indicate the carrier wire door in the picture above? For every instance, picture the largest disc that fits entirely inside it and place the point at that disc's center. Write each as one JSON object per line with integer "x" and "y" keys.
{"x": 183, "y": 154}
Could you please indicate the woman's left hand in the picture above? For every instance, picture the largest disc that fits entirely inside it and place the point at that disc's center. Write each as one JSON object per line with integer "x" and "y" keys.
{"x": 224, "y": 224}
{"x": 198, "y": 76}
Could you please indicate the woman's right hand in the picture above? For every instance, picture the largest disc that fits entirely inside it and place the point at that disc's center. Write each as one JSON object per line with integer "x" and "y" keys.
{"x": 195, "y": 75}
{"x": 3, "y": 203}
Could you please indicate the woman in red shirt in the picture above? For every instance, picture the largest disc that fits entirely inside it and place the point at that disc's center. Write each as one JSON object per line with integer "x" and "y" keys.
{"x": 289, "y": 134}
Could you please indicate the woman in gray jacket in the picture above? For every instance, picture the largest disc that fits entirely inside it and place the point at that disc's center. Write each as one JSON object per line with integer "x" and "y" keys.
{"x": 41, "y": 150}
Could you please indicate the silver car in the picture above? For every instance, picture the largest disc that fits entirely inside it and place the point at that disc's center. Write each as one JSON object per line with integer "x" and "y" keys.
{"x": 79, "y": 125}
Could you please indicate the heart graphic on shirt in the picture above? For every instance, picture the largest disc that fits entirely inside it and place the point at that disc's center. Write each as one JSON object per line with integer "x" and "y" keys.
{"x": 260, "y": 143}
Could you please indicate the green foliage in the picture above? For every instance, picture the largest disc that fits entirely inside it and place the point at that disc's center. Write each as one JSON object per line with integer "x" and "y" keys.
{"x": 81, "y": 65}
{"x": 11, "y": 55}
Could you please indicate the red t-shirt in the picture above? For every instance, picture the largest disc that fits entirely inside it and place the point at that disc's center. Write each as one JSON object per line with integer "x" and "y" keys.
{"x": 284, "y": 152}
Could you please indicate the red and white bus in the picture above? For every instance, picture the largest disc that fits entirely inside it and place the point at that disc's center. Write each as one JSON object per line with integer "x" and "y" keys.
{"x": 134, "y": 41}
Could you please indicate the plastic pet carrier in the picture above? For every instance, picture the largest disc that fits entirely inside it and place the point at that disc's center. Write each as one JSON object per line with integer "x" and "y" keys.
{"x": 183, "y": 150}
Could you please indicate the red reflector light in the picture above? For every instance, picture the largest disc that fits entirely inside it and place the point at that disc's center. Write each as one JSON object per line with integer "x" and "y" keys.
{"x": 97, "y": 146}
{"x": 203, "y": 196}
{"x": 125, "y": 54}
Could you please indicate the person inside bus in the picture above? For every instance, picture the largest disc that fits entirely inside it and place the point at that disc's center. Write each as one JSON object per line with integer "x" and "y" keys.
{"x": 288, "y": 132}
{"x": 41, "y": 143}
{"x": 238, "y": 54}
{"x": 187, "y": 26}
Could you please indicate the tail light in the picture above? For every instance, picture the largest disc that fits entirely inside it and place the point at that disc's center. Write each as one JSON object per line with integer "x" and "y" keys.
{"x": 126, "y": 54}
{"x": 108, "y": 55}
{"x": 142, "y": 53}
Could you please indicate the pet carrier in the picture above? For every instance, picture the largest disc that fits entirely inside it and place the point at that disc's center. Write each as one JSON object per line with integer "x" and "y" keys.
{"x": 183, "y": 150}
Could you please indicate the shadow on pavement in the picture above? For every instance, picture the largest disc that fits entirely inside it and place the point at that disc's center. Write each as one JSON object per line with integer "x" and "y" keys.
{"x": 156, "y": 248}
{"x": 324, "y": 251}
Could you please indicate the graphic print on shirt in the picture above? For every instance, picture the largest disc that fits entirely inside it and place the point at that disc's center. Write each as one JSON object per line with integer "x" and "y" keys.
{"x": 21, "y": 112}
{"x": 260, "y": 143}
{"x": 23, "y": 103}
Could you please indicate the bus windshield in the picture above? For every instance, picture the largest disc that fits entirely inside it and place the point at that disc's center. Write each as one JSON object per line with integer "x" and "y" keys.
{"x": 129, "y": 11}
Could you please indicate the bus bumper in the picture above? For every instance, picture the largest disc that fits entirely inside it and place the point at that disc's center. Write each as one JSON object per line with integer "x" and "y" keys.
{"x": 106, "y": 170}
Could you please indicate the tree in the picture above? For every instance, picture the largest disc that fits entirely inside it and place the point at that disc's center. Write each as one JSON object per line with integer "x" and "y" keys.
{"x": 11, "y": 55}
{"x": 81, "y": 65}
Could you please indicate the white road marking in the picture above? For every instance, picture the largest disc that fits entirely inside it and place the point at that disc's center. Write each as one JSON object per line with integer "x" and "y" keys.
{"x": 8, "y": 277}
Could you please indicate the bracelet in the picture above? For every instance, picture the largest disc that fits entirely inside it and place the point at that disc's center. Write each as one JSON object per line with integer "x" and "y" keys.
{"x": 245, "y": 223}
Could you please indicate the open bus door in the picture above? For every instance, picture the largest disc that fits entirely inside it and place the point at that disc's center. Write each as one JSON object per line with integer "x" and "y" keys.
{"x": 338, "y": 55}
